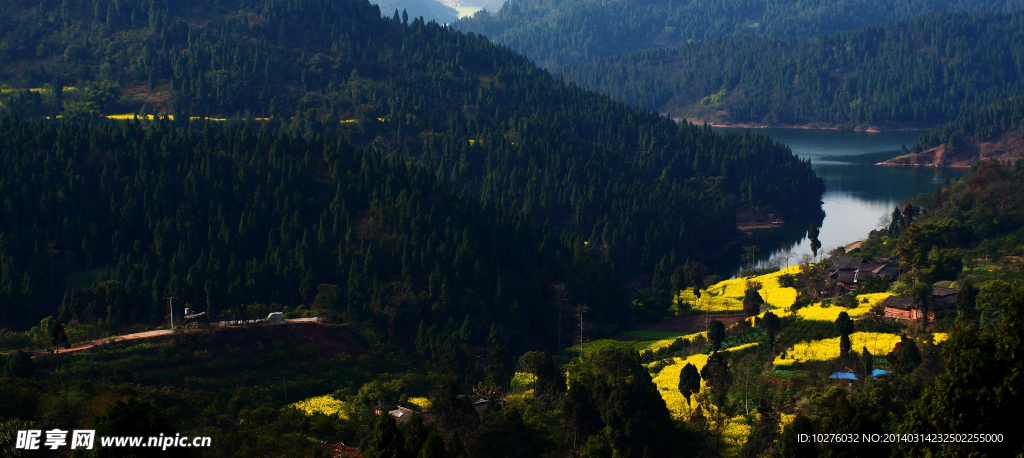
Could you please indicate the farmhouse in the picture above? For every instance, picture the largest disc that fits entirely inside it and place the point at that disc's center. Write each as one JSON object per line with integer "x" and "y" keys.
{"x": 900, "y": 307}
{"x": 853, "y": 272}
{"x": 479, "y": 404}
{"x": 403, "y": 414}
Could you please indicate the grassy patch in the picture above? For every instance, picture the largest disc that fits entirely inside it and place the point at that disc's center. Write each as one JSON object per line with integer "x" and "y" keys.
{"x": 652, "y": 335}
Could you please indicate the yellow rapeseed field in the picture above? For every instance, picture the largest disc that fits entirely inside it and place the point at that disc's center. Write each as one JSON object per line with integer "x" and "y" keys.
{"x": 776, "y": 295}
{"x": 734, "y": 437}
{"x": 778, "y": 312}
{"x": 818, "y": 312}
{"x": 658, "y": 344}
{"x": 420, "y": 403}
{"x": 326, "y": 405}
{"x": 736, "y": 429}
{"x": 667, "y": 382}
{"x": 727, "y": 295}
{"x": 744, "y": 346}
{"x": 828, "y": 349}
{"x": 710, "y": 302}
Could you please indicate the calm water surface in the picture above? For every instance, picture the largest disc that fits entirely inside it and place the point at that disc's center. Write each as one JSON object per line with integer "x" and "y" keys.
{"x": 857, "y": 192}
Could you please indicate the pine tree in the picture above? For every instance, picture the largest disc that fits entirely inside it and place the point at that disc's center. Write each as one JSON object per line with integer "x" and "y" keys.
{"x": 844, "y": 326}
{"x": 752, "y": 300}
{"x": 867, "y": 364}
{"x": 579, "y": 414}
{"x": 386, "y": 440}
{"x": 716, "y": 334}
{"x": 716, "y": 373}
{"x": 689, "y": 381}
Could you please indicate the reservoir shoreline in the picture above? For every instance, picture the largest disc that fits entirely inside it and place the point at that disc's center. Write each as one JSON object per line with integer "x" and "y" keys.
{"x": 743, "y": 125}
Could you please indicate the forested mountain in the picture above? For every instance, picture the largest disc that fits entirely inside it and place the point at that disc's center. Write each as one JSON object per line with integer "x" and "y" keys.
{"x": 108, "y": 221}
{"x": 635, "y": 185}
{"x": 560, "y": 32}
{"x": 920, "y": 72}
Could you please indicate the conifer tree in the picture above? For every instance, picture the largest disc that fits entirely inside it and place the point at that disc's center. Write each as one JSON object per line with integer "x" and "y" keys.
{"x": 689, "y": 381}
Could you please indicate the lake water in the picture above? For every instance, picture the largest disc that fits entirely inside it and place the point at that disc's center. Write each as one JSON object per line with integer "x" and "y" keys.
{"x": 857, "y": 192}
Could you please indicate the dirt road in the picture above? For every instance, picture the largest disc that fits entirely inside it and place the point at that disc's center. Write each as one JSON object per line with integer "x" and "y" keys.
{"x": 136, "y": 336}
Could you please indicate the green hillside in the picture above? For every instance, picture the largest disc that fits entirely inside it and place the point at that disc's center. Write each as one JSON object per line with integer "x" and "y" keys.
{"x": 985, "y": 124}
{"x": 559, "y": 32}
{"x": 991, "y": 132}
{"x": 478, "y": 116}
{"x": 485, "y": 246}
{"x": 281, "y": 389}
{"x": 921, "y": 73}
{"x": 238, "y": 223}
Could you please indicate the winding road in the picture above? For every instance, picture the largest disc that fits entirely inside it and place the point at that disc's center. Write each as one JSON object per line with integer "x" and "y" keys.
{"x": 136, "y": 336}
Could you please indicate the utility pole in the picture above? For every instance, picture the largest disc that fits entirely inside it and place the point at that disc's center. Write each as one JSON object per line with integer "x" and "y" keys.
{"x": 170, "y": 300}
{"x": 581, "y": 309}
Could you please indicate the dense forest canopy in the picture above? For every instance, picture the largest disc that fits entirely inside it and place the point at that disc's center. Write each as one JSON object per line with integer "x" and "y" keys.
{"x": 985, "y": 124}
{"x": 638, "y": 188}
{"x": 749, "y": 389}
{"x": 452, "y": 212}
{"x": 559, "y": 32}
{"x": 920, "y": 72}
{"x": 988, "y": 132}
{"x": 101, "y": 224}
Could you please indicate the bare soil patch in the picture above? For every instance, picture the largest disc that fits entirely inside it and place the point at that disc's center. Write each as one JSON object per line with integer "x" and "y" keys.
{"x": 690, "y": 323}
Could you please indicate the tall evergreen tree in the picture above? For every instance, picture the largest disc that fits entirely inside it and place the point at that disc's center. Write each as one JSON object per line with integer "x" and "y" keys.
{"x": 689, "y": 381}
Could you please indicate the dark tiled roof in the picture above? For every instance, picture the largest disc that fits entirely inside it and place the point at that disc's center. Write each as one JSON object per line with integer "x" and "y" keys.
{"x": 861, "y": 275}
{"x": 869, "y": 267}
{"x": 846, "y": 276}
{"x": 853, "y": 276}
{"x": 897, "y": 302}
{"x": 478, "y": 404}
{"x": 887, "y": 271}
{"x": 944, "y": 302}
{"x": 939, "y": 291}
{"x": 847, "y": 262}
